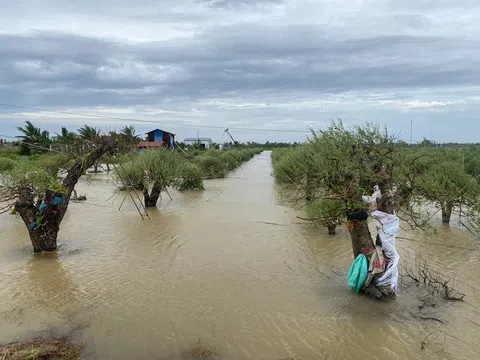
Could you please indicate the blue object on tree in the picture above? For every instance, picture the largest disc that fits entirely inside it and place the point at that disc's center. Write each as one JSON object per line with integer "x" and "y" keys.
{"x": 58, "y": 200}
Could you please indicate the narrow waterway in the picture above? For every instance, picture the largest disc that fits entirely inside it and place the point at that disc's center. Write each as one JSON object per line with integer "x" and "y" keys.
{"x": 230, "y": 267}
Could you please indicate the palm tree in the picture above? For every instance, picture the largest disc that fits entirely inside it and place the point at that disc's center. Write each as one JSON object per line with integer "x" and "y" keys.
{"x": 89, "y": 133}
{"x": 33, "y": 137}
{"x": 129, "y": 133}
{"x": 66, "y": 137}
{"x": 128, "y": 138}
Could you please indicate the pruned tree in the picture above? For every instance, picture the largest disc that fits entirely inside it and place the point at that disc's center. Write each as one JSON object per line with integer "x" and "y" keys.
{"x": 372, "y": 176}
{"x": 340, "y": 164}
{"x": 154, "y": 171}
{"x": 350, "y": 163}
{"x": 41, "y": 195}
{"x": 447, "y": 185}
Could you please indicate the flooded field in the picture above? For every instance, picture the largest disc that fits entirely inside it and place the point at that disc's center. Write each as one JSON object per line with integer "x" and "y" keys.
{"x": 231, "y": 268}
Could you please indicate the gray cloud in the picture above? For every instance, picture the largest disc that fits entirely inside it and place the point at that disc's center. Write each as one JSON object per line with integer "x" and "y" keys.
{"x": 239, "y": 3}
{"x": 251, "y": 57}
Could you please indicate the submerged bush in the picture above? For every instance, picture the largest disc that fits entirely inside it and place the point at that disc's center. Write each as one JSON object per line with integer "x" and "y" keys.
{"x": 328, "y": 213}
{"x": 231, "y": 161}
{"x": 190, "y": 177}
{"x": 212, "y": 167}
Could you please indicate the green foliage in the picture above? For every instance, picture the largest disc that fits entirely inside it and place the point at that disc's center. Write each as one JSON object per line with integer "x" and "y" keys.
{"x": 447, "y": 182}
{"x": 128, "y": 138}
{"x": 30, "y": 175}
{"x": 66, "y": 137}
{"x": 347, "y": 163}
{"x": 33, "y": 139}
{"x": 472, "y": 161}
{"x": 38, "y": 172}
{"x": 190, "y": 177}
{"x": 52, "y": 163}
{"x": 6, "y": 164}
{"x": 89, "y": 133}
{"x": 230, "y": 160}
{"x": 215, "y": 164}
{"x": 328, "y": 213}
{"x": 10, "y": 152}
{"x": 291, "y": 166}
{"x": 212, "y": 166}
{"x": 161, "y": 167}
{"x": 278, "y": 153}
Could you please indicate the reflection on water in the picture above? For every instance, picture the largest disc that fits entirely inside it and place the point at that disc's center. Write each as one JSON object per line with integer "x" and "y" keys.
{"x": 229, "y": 267}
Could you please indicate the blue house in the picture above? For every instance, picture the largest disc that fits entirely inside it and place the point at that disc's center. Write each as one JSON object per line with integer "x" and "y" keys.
{"x": 158, "y": 138}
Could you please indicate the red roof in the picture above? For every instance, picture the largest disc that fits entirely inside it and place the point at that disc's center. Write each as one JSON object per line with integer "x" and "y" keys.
{"x": 150, "y": 144}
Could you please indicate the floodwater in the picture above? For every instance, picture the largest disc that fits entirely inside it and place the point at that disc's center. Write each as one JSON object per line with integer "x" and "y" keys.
{"x": 231, "y": 268}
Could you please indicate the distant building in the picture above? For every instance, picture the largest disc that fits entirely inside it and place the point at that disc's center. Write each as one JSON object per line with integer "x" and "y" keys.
{"x": 205, "y": 143}
{"x": 157, "y": 139}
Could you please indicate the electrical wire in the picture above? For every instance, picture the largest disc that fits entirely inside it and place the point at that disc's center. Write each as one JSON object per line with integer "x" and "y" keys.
{"x": 151, "y": 121}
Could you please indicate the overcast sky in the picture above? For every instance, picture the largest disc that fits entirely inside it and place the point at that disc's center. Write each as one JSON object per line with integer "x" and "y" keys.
{"x": 262, "y": 64}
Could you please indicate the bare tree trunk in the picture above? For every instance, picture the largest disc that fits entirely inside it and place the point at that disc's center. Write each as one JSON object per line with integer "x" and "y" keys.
{"x": 360, "y": 235}
{"x": 151, "y": 198}
{"x": 44, "y": 235}
{"x": 45, "y": 238}
{"x": 332, "y": 229}
{"x": 447, "y": 212}
{"x": 361, "y": 238}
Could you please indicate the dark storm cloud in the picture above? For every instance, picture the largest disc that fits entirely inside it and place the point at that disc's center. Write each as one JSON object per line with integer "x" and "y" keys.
{"x": 233, "y": 59}
{"x": 259, "y": 63}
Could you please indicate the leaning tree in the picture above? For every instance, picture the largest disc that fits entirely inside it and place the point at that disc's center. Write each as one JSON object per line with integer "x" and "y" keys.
{"x": 40, "y": 194}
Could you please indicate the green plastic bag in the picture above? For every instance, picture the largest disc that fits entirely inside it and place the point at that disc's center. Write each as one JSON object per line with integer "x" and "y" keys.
{"x": 358, "y": 273}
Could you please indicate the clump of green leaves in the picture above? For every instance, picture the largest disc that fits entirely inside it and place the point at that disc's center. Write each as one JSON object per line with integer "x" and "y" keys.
{"x": 326, "y": 212}
{"x": 447, "y": 185}
{"x": 213, "y": 167}
{"x": 190, "y": 177}
{"x": 153, "y": 171}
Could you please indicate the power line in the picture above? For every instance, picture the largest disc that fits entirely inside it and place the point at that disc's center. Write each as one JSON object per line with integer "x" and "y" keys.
{"x": 151, "y": 121}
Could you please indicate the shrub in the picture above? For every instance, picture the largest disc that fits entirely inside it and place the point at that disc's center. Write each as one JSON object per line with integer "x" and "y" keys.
{"x": 6, "y": 164}
{"x": 212, "y": 167}
{"x": 230, "y": 161}
{"x": 190, "y": 177}
{"x": 291, "y": 167}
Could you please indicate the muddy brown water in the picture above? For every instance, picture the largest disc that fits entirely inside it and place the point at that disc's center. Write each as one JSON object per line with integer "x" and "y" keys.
{"x": 230, "y": 267}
